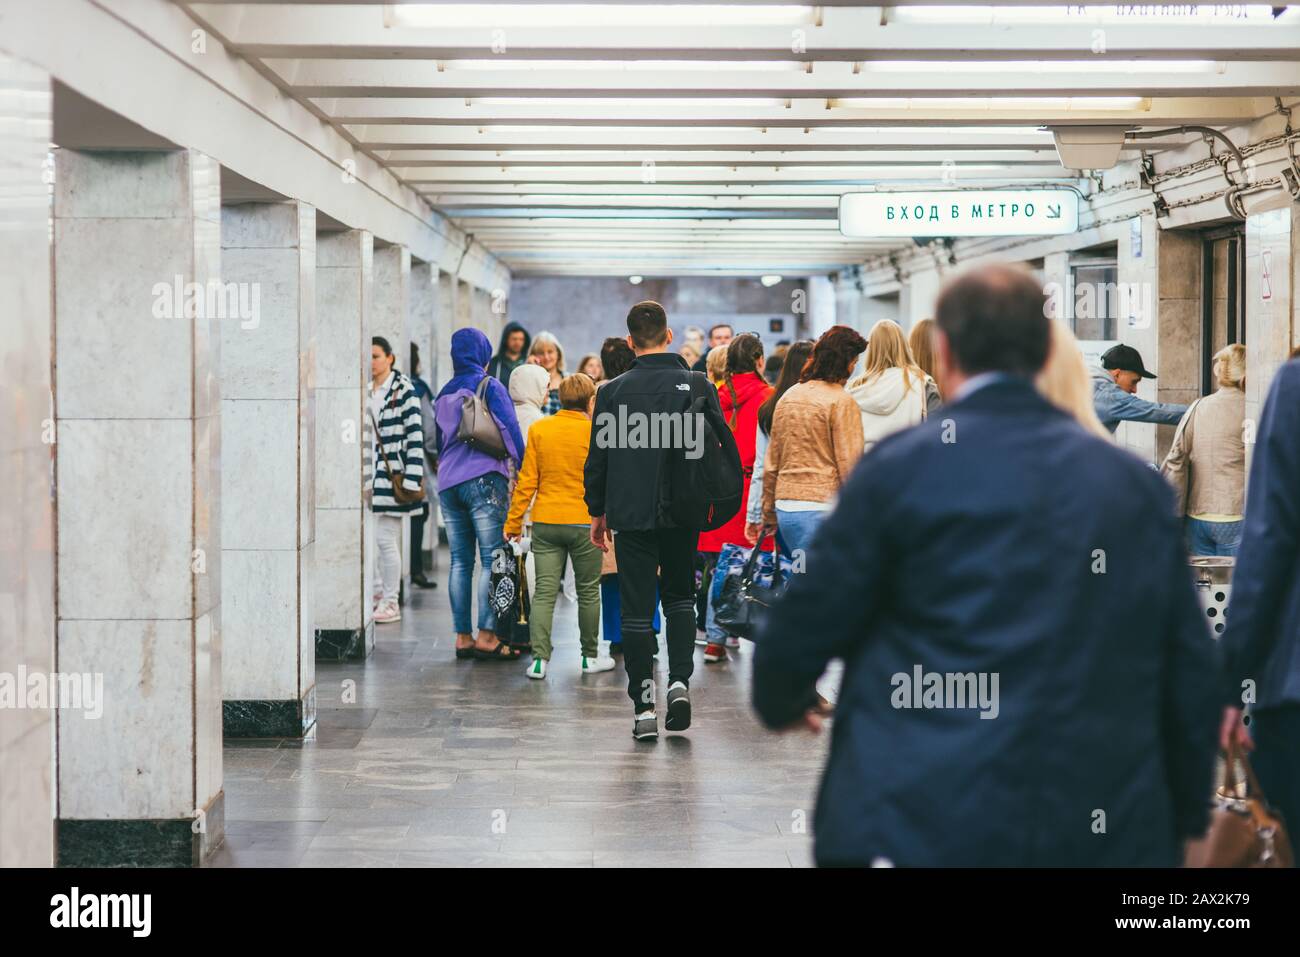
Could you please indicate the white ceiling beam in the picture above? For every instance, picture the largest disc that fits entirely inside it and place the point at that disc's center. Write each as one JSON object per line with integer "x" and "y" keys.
{"x": 851, "y": 34}
{"x": 404, "y": 139}
{"x": 370, "y": 123}
{"x": 423, "y": 82}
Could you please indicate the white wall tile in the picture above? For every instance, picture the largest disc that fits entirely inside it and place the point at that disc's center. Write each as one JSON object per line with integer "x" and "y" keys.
{"x": 260, "y": 632}
{"x": 137, "y": 759}
{"x": 338, "y": 592}
{"x": 259, "y": 476}
{"x": 125, "y": 514}
{"x": 338, "y": 448}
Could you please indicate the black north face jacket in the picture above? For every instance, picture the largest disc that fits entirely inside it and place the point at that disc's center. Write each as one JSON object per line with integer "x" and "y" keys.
{"x": 627, "y": 484}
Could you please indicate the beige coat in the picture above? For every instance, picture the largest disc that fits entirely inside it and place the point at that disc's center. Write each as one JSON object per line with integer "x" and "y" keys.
{"x": 1207, "y": 462}
{"x": 815, "y": 443}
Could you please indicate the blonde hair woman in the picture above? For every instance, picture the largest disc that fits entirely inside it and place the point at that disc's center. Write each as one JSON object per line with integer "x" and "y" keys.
{"x": 921, "y": 341}
{"x": 890, "y": 392}
{"x": 1207, "y": 462}
{"x": 715, "y": 365}
{"x": 547, "y": 353}
{"x": 1065, "y": 381}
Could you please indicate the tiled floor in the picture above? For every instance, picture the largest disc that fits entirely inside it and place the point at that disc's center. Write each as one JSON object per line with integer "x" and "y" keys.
{"x": 439, "y": 762}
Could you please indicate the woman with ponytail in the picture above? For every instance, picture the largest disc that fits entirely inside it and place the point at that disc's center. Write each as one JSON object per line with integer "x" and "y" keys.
{"x": 742, "y": 391}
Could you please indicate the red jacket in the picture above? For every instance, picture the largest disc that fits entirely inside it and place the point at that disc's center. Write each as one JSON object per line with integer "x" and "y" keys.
{"x": 751, "y": 392}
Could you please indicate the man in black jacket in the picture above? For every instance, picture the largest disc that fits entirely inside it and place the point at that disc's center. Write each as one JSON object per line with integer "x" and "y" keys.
{"x": 1028, "y": 677}
{"x": 641, "y": 420}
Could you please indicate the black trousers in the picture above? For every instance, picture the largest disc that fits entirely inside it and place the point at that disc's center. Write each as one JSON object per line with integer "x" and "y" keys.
{"x": 417, "y": 540}
{"x": 1276, "y": 760}
{"x": 664, "y": 557}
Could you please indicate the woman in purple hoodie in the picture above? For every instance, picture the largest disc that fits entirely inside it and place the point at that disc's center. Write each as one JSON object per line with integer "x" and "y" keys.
{"x": 474, "y": 492}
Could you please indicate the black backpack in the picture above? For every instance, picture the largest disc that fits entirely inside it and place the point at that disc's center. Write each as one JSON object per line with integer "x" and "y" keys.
{"x": 705, "y": 492}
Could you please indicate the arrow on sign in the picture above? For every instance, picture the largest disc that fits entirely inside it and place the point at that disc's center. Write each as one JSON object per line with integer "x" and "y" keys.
{"x": 1054, "y": 212}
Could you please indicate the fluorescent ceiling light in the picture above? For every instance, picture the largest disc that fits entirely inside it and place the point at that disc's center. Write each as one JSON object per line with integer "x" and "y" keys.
{"x": 625, "y": 103}
{"x": 630, "y": 66}
{"x": 634, "y": 280}
{"x": 770, "y": 281}
{"x": 1219, "y": 14}
{"x": 506, "y": 15}
{"x": 975, "y": 103}
{"x": 1045, "y": 66}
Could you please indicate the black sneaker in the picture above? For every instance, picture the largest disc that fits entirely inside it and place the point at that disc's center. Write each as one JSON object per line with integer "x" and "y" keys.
{"x": 679, "y": 708}
{"x": 646, "y": 726}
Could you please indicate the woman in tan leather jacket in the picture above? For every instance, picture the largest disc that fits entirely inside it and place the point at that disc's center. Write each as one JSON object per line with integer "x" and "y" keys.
{"x": 1207, "y": 462}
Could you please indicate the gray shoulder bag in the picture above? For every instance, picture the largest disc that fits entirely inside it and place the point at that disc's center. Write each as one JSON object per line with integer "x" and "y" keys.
{"x": 477, "y": 428}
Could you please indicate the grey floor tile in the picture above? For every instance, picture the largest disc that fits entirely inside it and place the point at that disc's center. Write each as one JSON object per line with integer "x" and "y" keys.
{"x": 445, "y": 763}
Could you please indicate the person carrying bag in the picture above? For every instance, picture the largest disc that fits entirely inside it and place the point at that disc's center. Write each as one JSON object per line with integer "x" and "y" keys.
{"x": 1244, "y": 830}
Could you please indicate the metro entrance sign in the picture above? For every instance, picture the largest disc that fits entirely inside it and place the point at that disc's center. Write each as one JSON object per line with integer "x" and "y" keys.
{"x": 965, "y": 212}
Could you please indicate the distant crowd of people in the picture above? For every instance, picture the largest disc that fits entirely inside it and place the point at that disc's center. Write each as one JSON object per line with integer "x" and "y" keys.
{"x": 958, "y": 505}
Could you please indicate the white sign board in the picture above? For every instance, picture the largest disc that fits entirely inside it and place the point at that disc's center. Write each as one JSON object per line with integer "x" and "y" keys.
{"x": 966, "y": 212}
{"x": 1093, "y": 349}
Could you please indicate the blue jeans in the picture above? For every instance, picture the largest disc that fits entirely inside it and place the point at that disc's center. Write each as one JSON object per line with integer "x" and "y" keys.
{"x": 1213, "y": 538}
{"x": 797, "y": 530}
{"x": 474, "y": 511}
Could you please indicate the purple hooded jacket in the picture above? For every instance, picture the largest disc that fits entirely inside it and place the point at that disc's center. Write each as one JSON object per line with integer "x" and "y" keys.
{"x": 457, "y": 462}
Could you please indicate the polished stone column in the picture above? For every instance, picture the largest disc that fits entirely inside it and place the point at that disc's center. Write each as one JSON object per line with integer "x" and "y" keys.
{"x": 1272, "y": 327}
{"x": 421, "y": 317}
{"x": 268, "y": 431}
{"x": 26, "y": 491}
{"x": 420, "y": 328}
{"x": 444, "y": 324}
{"x": 138, "y": 309}
{"x": 344, "y": 541}
{"x": 390, "y": 318}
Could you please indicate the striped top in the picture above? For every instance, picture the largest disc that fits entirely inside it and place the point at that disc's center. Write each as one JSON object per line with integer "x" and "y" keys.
{"x": 402, "y": 434}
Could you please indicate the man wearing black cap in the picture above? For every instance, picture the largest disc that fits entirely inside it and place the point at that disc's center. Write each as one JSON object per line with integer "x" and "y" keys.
{"x": 1114, "y": 391}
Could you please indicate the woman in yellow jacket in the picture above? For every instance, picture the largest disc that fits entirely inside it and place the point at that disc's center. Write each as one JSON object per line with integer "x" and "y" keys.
{"x": 550, "y": 481}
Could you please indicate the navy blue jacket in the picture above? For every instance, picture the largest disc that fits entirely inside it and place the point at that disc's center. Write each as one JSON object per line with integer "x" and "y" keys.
{"x": 999, "y": 537}
{"x": 1262, "y": 640}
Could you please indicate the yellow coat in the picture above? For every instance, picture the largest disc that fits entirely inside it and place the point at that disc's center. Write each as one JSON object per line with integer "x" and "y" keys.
{"x": 550, "y": 478}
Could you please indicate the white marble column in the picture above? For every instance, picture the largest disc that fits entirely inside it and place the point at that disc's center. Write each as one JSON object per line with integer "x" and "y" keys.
{"x": 137, "y": 249}
{"x": 1272, "y": 328}
{"x": 464, "y": 305}
{"x": 268, "y": 432}
{"x": 420, "y": 316}
{"x": 444, "y": 324}
{"x": 26, "y": 480}
{"x": 390, "y": 318}
{"x": 421, "y": 332}
{"x": 344, "y": 541}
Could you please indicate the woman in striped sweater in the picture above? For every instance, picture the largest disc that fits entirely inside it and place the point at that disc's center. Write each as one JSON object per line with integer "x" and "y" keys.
{"x": 397, "y": 443}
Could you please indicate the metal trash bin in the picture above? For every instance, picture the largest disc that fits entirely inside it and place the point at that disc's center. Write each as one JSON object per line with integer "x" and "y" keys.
{"x": 1213, "y": 575}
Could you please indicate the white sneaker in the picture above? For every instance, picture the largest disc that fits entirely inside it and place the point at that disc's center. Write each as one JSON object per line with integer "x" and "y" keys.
{"x": 537, "y": 669}
{"x": 385, "y": 614}
{"x": 733, "y": 641}
{"x": 593, "y": 665}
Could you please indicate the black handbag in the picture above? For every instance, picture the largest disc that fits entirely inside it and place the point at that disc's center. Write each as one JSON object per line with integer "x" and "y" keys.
{"x": 508, "y": 596}
{"x": 745, "y": 598}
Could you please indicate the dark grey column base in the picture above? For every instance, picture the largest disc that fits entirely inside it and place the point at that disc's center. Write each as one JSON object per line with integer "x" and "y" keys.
{"x": 345, "y": 644}
{"x": 269, "y": 719}
{"x": 183, "y": 842}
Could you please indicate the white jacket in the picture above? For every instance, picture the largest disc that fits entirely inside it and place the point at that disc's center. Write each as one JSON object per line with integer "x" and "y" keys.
{"x": 887, "y": 407}
{"x": 528, "y": 385}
